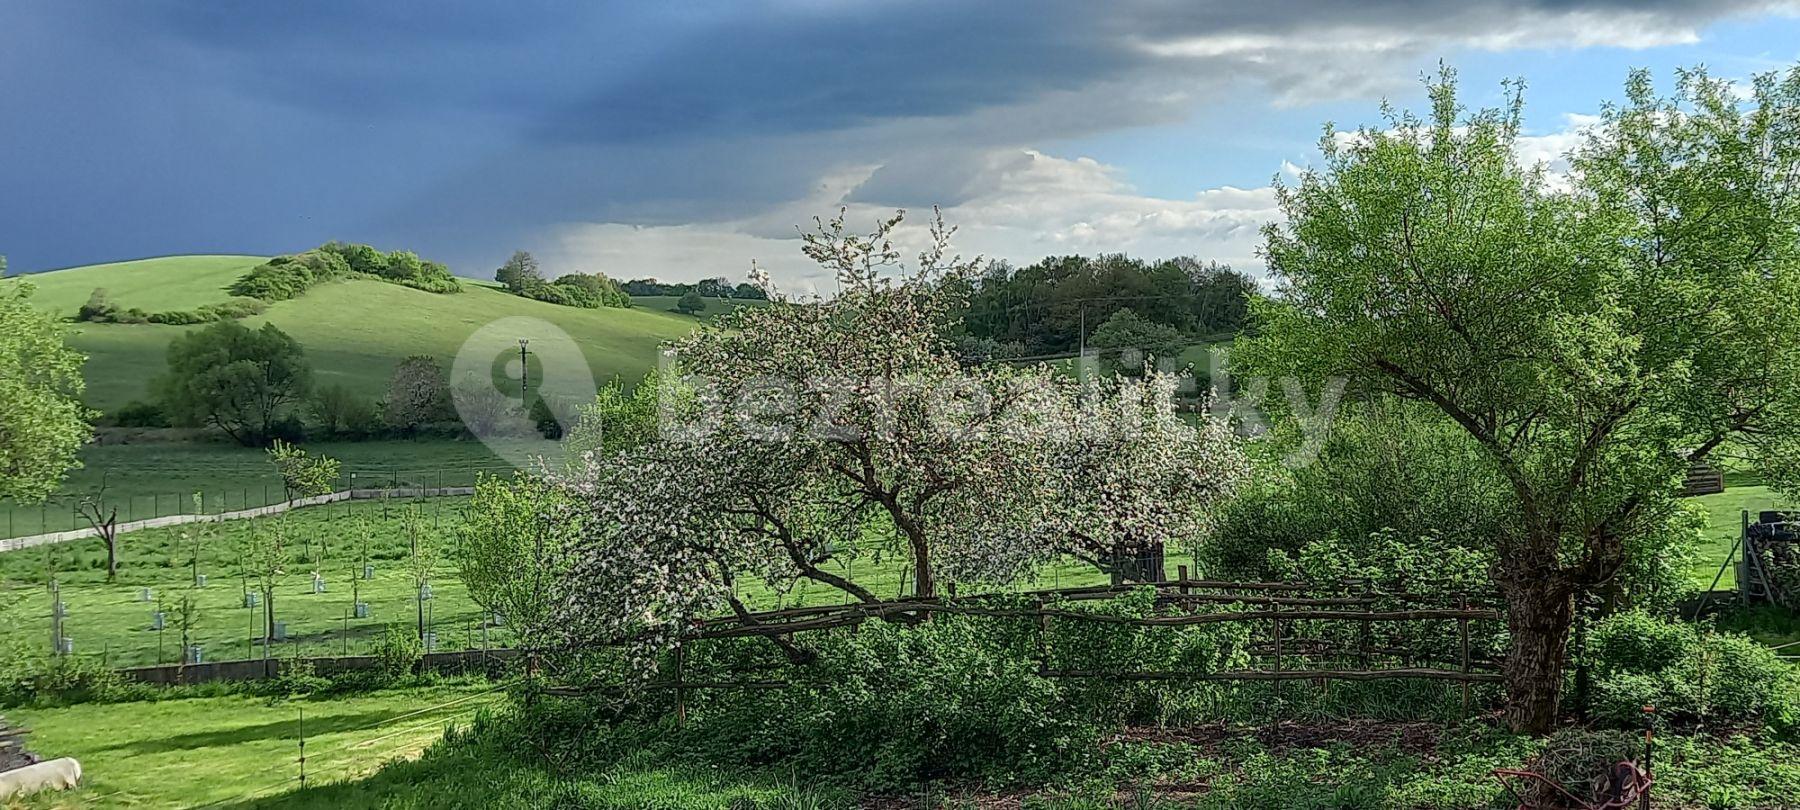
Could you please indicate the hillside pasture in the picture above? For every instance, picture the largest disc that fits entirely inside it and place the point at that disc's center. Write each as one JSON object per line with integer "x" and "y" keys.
{"x": 152, "y": 285}
{"x": 354, "y": 331}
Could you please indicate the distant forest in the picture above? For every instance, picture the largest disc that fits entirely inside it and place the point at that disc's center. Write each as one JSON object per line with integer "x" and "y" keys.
{"x": 1042, "y": 309}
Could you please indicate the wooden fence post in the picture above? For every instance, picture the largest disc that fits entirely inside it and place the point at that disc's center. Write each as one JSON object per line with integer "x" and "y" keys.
{"x": 680, "y": 691}
{"x": 1462, "y": 630}
{"x": 1275, "y": 608}
{"x": 1043, "y": 638}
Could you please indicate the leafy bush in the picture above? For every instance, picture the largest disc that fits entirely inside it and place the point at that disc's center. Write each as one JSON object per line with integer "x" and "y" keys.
{"x": 398, "y": 653}
{"x": 99, "y": 307}
{"x": 1687, "y": 674}
{"x": 545, "y": 420}
{"x": 1634, "y": 641}
{"x": 140, "y": 414}
{"x": 286, "y": 277}
{"x": 29, "y": 675}
{"x": 277, "y": 279}
{"x": 339, "y": 412}
{"x": 227, "y": 311}
{"x": 890, "y": 706}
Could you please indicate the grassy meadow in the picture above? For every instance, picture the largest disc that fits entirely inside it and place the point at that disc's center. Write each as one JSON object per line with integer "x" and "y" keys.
{"x": 225, "y": 750}
{"x": 353, "y": 331}
{"x": 153, "y": 285}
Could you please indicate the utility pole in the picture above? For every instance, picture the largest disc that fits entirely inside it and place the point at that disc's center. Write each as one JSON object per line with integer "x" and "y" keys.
{"x": 524, "y": 375}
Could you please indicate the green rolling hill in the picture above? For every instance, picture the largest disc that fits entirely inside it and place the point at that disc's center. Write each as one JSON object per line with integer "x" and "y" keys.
{"x": 354, "y": 331}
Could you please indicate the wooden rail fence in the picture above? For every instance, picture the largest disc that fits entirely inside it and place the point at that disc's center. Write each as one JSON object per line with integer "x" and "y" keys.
{"x": 1276, "y": 607}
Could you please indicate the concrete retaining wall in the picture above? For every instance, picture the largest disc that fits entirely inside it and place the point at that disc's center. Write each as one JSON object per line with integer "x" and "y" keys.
{"x": 33, "y": 541}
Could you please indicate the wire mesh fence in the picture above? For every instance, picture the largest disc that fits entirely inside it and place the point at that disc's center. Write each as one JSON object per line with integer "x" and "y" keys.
{"x": 136, "y": 502}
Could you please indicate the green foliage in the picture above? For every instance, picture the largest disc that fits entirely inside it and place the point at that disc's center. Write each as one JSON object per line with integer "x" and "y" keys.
{"x": 139, "y": 414}
{"x": 303, "y": 475}
{"x": 340, "y": 412}
{"x": 1590, "y": 343}
{"x": 617, "y": 420}
{"x": 209, "y": 313}
{"x": 42, "y": 420}
{"x": 30, "y": 676}
{"x": 406, "y": 268}
{"x": 591, "y": 291}
{"x": 514, "y": 550}
{"x": 892, "y": 706}
{"x": 1688, "y": 674}
{"x": 236, "y": 379}
{"x": 545, "y": 419}
{"x": 519, "y": 272}
{"x": 1127, "y": 341}
{"x": 398, "y": 653}
{"x": 1380, "y": 468}
{"x": 1041, "y": 307}
{"x": 101, "y": 309}
{"x": 691, "y": 303}
{"x": 286, "y": 277}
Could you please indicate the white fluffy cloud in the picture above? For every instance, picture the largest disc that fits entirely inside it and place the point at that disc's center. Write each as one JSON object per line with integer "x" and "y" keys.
{"x": 1014, "y": 204}
{"x": 1018, "y": 205}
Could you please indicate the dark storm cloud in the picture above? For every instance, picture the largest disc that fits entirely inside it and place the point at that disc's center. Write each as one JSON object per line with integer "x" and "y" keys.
{"x": 457, "y": 127}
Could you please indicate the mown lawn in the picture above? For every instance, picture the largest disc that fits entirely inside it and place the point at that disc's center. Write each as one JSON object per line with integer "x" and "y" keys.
{"x": 1723, "y": 526}
{"x": 190, "y": 752}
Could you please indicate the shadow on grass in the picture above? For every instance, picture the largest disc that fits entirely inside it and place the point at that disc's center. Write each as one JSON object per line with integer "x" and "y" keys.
{"x": 285, "y": 729}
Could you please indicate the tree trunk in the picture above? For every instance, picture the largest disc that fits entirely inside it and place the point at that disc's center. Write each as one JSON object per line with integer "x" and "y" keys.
{"x": 268, "y": 620}
{"x": 112, "y": 552}
{"x": 924, "y": 585}
{"x": 1540, "y": 612}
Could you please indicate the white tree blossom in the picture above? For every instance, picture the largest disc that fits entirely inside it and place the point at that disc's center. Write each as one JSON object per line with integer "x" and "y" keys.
{"x": 814, "y": 432}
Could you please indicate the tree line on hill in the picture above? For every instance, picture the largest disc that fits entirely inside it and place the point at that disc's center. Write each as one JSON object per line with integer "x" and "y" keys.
{"x": 256, "y": 386}
{"x": 283, "y": 278}
{"x": 520, "y": 276}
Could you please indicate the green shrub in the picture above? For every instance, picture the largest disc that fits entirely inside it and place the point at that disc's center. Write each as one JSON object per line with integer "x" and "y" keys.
{"x": 398, "y": 653}
{"x": 1687, "y": 674}
{"x": 278, "y": 279}
{"x": 227, "y": 311}
{"x": 139, "y": 414}
{"x": 891, "y": 706}
{"x": 28, "y": 675}
{"x": 545, "y": 420}
{"x": 1634, "y": 641}
{"x": 98, "y": 309}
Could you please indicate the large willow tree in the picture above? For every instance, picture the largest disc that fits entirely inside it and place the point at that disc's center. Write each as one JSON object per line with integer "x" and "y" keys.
{"x": 1594, "y": 334}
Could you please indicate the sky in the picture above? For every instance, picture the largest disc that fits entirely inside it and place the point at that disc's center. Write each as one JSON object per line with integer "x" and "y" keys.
{"x": 683, "y": 140}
